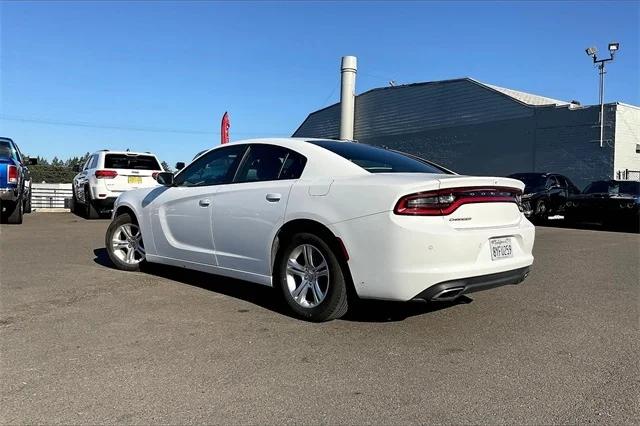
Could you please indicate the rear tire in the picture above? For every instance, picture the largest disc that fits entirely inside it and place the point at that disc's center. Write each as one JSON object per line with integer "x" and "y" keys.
{"x": 124, "y": 243}
{"x": 311, "y": 279}
{"x": 15, "y": 217}
{"x": 90, "y": 210}
{"x": 27, "y": 203}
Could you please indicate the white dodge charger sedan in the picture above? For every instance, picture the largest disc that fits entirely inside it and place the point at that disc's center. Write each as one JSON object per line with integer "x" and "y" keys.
{"x": 324, "y": 221}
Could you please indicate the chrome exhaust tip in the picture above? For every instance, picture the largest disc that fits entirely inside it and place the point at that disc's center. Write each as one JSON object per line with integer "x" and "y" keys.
{"x": 448, "y": 294}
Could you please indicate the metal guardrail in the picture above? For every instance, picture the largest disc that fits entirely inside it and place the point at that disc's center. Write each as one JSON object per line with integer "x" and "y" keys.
{"x": 51, "y": 195}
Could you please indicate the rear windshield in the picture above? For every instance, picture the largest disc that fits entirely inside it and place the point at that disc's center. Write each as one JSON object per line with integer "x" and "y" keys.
{"x": 613, "y": 187}
{"x": 124, "y": 161}
{"x": 380, "y": 160}
{"x": 6, "y": 150}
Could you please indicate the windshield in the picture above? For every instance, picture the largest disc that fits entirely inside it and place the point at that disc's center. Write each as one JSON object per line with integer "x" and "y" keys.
{"x": 613, "y": 187}
{"x": 124, "y": 161}
{"x": 532, "y": 181}
{"x": 379, "y": 160}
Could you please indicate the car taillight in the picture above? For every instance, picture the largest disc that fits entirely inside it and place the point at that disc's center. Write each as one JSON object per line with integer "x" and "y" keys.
{"x": 445, "y": 201}
{"x": 12, "y": 174}
{"x": 106, "y": 174}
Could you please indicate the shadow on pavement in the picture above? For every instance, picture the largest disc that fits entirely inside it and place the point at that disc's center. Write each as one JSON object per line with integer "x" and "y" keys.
{"x": 268, "y": 298}
{"x": 621, "y": 227}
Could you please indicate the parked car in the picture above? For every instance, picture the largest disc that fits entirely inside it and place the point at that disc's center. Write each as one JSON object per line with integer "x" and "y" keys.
{"x": 608, "y": 202}
{"x": 321, "y": 220}
{"x": 107, "y": 174}
{"x": 545, "y": 194}
{"x": 15, "y": 182}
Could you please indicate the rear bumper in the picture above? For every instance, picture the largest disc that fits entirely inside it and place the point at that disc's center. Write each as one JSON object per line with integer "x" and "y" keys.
{"x": 450, "y": 290}
{"x": 8, "y": 194}
{"x": 398, "y": 258}
{"x": 104, "y": 205}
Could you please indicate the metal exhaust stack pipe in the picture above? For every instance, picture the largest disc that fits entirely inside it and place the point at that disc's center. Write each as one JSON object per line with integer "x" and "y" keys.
{"x": 348, "y": 71}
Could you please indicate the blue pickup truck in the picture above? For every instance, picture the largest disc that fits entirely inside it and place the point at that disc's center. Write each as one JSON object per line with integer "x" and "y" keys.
{"x": 15, "y": 182}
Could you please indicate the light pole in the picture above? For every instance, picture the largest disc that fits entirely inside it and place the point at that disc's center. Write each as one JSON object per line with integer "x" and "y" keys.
{"x": 591, "y": 51}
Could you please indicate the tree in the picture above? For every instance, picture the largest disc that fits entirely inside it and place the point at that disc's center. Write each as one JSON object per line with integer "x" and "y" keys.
{"x": 166, "y": 166}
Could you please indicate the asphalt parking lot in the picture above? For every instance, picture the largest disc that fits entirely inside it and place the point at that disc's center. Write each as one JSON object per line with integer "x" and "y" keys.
{"x": 84, "y": 343}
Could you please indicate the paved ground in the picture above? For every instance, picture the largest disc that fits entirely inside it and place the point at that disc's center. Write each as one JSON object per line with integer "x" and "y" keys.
{"x": 83, "y": 343}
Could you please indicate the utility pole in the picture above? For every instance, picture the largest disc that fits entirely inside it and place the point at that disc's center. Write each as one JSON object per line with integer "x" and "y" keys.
{"x": 591, "y": 51}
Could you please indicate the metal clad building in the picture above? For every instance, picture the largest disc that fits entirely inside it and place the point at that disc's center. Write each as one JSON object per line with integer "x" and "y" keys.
{"x": 476, "y": 128}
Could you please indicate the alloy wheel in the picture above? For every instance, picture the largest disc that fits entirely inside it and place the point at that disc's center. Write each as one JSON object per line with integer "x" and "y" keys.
{"x": 307, "y": 275}
{"x": 127, "y": 245}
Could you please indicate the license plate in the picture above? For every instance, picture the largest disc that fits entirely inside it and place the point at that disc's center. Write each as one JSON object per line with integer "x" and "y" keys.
{"x": 500, "y": 248}
{"x": 135, "y": 179}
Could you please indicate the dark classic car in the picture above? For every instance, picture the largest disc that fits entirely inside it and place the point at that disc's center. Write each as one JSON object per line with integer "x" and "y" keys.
{"x": 545, "y": 194}
{"x": 612, "y": 203}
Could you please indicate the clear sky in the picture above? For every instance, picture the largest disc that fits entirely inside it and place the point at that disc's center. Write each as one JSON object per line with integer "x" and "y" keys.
{"x": 157, "y": 76}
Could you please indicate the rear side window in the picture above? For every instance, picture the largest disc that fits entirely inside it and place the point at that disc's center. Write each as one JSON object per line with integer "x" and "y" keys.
{"x": 269, "y": 162}
{"x": 124, "y": 161}
{"x": 379, "y": 160}
{"x": 93, "y": 163}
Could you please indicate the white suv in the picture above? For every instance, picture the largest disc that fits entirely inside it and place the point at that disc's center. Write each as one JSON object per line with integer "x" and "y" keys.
{"x": 106, "y": 174}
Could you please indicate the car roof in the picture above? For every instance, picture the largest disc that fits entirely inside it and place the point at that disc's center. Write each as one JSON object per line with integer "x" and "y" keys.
{"x": 106, "y": 151}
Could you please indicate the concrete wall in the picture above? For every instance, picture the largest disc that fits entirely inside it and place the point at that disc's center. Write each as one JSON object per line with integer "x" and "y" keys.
{"x": 627, "y": 138}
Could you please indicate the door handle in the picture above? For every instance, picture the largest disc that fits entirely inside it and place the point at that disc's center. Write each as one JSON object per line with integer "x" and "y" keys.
{"x": 204, "y": 203}
{"x": 273, "y": 198}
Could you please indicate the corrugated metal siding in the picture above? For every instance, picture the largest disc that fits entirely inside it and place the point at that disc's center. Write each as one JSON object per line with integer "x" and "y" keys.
{"x": 568, "y": 142}
{"x": 473, "y": 129}
{"x": 322, "y": 124}
{"x": 414, "y": 108}
{"x": 410, "y": 109}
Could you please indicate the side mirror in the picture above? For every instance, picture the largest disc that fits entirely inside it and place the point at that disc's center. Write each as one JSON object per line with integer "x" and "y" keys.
{"x": 76, "y": 168}
{"x": 33, "y": 161}
{"x": 165, "y": 178}
{"x": 180, "y": 165}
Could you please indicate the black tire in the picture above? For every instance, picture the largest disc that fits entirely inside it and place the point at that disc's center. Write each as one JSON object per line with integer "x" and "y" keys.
{"x": 335, "y": 303}
{"x": 27, "y": 203}
{"x": 90, "y": 210}
{"x": 115, "y": 224}
{"x": 15, "y": 217}
{"x": 541, "y": 213}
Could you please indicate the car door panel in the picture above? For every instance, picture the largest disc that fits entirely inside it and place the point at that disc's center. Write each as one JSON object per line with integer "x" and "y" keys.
{"x": 246, "y": 217}
{"x": 182, "y": 225}
{"x": 181, "y": 215}
{"x": 248, "y": 213}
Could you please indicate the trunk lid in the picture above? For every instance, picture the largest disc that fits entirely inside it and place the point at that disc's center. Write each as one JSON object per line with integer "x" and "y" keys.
{"x": 485, "y": 212}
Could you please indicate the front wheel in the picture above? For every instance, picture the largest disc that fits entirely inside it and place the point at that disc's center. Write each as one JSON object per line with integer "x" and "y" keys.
{"x": 311, "y": 278}
{"x": 124, "y": 243}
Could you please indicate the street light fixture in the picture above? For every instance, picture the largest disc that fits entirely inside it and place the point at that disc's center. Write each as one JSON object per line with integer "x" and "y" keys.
{"x": 592, "y": 51}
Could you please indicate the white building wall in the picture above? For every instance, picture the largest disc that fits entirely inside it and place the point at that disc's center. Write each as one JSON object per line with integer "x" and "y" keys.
{"x": 627, "y": 138}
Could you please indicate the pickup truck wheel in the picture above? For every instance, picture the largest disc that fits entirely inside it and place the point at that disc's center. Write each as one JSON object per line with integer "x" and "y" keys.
{"x": 90, "y": 210}
{"x": 15, "y": 217}
{"x": 124, "y": 243}
{"x": 27, "y": 203}
{"x": 541, "y": 212}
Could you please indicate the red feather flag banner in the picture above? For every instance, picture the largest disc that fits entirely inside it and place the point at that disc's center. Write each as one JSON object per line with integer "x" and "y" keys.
{"x": 224, "y": 128}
